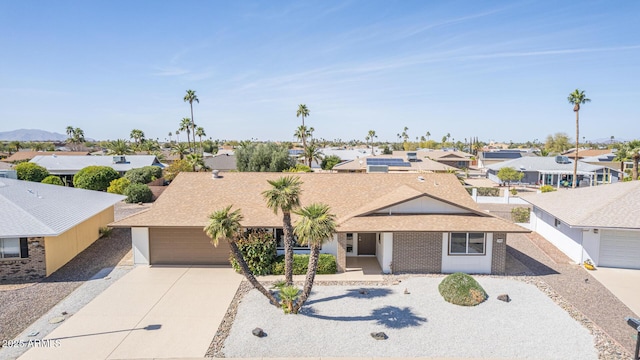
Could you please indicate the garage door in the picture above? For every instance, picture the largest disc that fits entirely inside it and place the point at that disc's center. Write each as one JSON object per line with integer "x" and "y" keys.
{"x": 620, "y": 249}
{"x": 174, "y": 246}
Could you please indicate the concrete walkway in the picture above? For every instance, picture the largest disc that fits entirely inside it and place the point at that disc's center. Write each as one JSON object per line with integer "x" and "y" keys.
{"x": 623, "y": 283}
{"x": 152, "y": 312}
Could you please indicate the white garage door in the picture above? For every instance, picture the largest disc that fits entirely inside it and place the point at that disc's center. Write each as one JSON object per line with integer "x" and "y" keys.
{"x": 620, "y": 249}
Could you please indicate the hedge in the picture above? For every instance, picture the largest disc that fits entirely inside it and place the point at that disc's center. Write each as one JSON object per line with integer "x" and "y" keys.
{"x": 31, "y": 172}
{"x": 137, "y": 193}
{"x": 326, "y": 264}
{"x": 259, "y": 251}
{"x": 53, "y": 180}
{"x": 95, "y": 178}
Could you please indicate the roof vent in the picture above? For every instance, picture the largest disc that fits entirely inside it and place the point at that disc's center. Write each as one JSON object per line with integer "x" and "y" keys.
{"x": 560, "y": 159}
{"x": 421, "y": 178}
{"x": 119, "y": 160}
{"x": 411, "y": 156}
{"x": 214, "y": 174}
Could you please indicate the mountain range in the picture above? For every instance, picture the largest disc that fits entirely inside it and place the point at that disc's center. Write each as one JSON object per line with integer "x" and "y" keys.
{"x": 31, "y": 135}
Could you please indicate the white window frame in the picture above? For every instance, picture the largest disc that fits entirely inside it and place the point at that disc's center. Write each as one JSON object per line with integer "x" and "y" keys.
{"x": 467, "y": 253}
{"x": 2, "y": 246}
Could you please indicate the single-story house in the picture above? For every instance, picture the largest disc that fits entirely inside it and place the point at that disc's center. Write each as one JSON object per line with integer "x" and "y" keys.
{"x": 488, "y": 158}
{"x": 222, "y": 162}
{"x": 453, "y": 158}
{"x": 600, "y": 223}
{"x": 67, "y": 166}
{"x": 586, "y": 153}
{"x": 43, "y": 226}
{"x": 408, "y": 162}
{"x": 555, "y": 171}
{"x": 5, "y": 166}
{"x": 28, "y": 155}
{"x": 424, "y": 223}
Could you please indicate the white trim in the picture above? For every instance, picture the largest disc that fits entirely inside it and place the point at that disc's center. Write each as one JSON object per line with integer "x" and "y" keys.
{"x": 140, "y": 244}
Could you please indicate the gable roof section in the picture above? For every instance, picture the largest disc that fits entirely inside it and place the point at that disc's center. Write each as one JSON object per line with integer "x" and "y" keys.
{"x": 606, "y": 206}
{"x": 36, "y": 209}
{"x": 191, "y": 197}
{"x": 28, "y": 155}
{"x": 63, "y": 165}
{"x": 536, "y": 163}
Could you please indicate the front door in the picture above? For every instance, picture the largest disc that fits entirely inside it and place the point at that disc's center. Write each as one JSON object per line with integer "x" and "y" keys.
{"x": 367, "y": 244}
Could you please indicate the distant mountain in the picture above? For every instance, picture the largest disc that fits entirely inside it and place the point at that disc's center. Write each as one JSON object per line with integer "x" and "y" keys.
{"x": 31, "y": 135}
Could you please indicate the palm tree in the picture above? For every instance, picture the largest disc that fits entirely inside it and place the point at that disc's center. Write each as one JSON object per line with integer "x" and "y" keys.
{"x": 15, "y": 145}
{"x": 313, "y": 153}
{"x": 179, "y": 149}
{"x": 196, "y": 161}
{"x": 170, "y": 135}
{"x": 137, "y": 135}
{"x": 225, "y": 224}
{"x": 622, "y": 155}
{"x": 428, "y": 134}
{"x": 370, "y": 135}
{"x": 119, "y": 147}
{"x": 200, "y": 133}
{"x": 576, "y": 98}
{"x": 178, "y": 136}
{"x": 284, "y": 195}
{"x": 633, "y": 149}
{"x": 69, "y": 132}
{"x": 315, "y": 226}
{"x": 303, "y": 112}
{"x": 185, "y": 124}
{"x": 190, "y": 97}
{"x": 37, "y": 146}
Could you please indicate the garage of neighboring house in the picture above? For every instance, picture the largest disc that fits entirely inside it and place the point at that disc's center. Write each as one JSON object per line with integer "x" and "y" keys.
{"x": 180, "y": 246}
{"x": 620, "y": 248}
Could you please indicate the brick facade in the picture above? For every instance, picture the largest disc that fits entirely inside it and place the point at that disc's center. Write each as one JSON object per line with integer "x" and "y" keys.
{"x": 417, "y": 252}
{"x": 499, "y": 254}
{"x": 32, "y": 268}
{"x": 341, "y": 256}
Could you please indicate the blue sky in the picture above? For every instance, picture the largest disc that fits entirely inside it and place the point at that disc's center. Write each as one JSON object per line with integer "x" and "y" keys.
{"x": 498, "y": 70}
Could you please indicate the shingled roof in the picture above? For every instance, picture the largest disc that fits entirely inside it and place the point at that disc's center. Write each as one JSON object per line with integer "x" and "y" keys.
{"x": 354, "y": 198}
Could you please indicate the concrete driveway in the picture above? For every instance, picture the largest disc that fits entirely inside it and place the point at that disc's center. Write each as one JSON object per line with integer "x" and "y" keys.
{"x": 623, "y": 283}
{"x": 152, "y": 312}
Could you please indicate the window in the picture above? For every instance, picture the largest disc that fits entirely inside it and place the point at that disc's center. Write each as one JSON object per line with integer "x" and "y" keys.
{"x": 557, "y": 223}
{"x": 466, "y": 244}
{"x": 349, "y": 242}
{"x": 10, "y": 248}
{"x": 280, "y": 241}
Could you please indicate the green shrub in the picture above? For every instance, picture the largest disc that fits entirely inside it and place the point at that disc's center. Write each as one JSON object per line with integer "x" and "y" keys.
{"x": 105, "y": 231}
{"x": 177, "y": 167}
{"x": 513, "y": 191}
{"x": 136, "y": 193}
{"x": 118, "y": 186}
{"x": 95, "y": 178}
{"x": 328, "y": 162}
{"x": 547, "y": 188}
{"x": 144, "y": 175}
{"x": 53, "y": 180}
{"x": 326, "y": 264}
{"x": 462, "y": 289}
{"x": 298, "y": 168}
{"x": 31, "y": 172}
{"x": 520, "y": 214}
{"x": 288, "y": 295}
{"x": 259, "y": 251}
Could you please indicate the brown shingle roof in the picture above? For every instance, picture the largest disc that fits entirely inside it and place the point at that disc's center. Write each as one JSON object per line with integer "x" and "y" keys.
{"x": 583, "y": 153}
{"x": 191, "y": 197}
{"x": 430, "y": 222}
{"x": 28, "y": 155}
{"x": 423, "y": 164}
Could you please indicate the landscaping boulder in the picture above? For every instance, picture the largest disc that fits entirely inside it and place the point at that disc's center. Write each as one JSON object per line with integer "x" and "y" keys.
{"x": 379, "y": 335}
{"x": 504, "y": 297}
{"x": 258, "y": 332}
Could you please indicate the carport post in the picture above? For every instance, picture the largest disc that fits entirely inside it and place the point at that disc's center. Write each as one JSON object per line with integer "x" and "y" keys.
{"x": 635, "y": 323}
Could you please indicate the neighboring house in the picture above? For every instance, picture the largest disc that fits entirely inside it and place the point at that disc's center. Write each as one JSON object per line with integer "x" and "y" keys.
{"x": 28, "y": 155}
{"x": 606, "y": 159}
{"x": 586, "y": 153}
{"x": 409, "y": 222}
{"x": 67, "y": 166}
{"x": 222, "y": 162}
{"x": 43, "y": 226}
{"x": 392, "y": 164}
{"x": 601, "y": 223}
{"x": 8, "y": 173}
{"x": 453, "y": 158}
{"x": 556, "y": 171}
{"x": 487, "y": 158}
{"x": 5, "y": 166}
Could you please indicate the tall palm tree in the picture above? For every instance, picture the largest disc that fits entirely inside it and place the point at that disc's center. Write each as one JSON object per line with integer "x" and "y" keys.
{"x": 178, "y": 136}
{"x": 185, "y": 125}
{"x": 370, "y": 136}
{"x": 225, "y": 224}
{"x": 633, "y": 149}
{"x": 137, "y": 135}
{"x": 196, "y": 161}
{"x": 69, "y": 132}
{"x": 316, "y": 225}
{"x": 428, "y": 134}
{"x": 622, "y": 155}
{"x": 170, "y": 135}
{"x": 313, "y": 153}
{"x": 179, "y": 149}
{"x": 200, "y": 133}
{"x": 577, "y": 97}
{"x": 190, "y": 97}
{"x": 303, "y": 112}
{"x": 284, "y": 195}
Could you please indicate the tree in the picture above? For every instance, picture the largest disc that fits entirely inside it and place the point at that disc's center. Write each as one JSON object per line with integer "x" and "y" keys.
{"x": 177, "y": 167}
{"x": 37, "y": 146}
{"x": 284, "y": 195}
{"x": 269, "y": 157}
{"x": 15, "y": 145}
{"x": 190, "y": 97}
{"x": 196, "y": 161}
{"x": 69, "y": 131}
{"x": 137, "y": 135}
{"x": 185, "y": 124}
{"x": 622, "y": 155}
{"x": 315, "y": 226}
{"x": 178, "y": 136}
{"x": 170, "y": 135}
{"x": 576, "y": 98}
{"x": 200, "y": 133}
{"x": 29, "y": 171}
{"x": 119, "y": 147}
{"x": 557, "y": 143}
{"x": 53, "y": 180}
{"x": 370, "y": 136}
{"x": 313, "y": 153}
{"x": 225, "y": 224}
{"x": 633, "y": 150}
{"x": 330, "y": 161}
{"x": 303, "y": 112}
{"x": 138, "y": 193}
{"x": 179, "y": 149}
{"x": 95, "y": 178}
{"x": 118, "y": 186}
{"x": 509, "y": 174}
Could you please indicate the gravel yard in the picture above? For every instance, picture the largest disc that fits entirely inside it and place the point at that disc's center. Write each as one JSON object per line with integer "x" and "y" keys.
{"x": 418, "y": 324}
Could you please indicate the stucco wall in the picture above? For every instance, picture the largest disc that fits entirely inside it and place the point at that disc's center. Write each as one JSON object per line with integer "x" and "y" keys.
{"x": 470, "y": 264}
{"x": 25, "y": 269}
{"x": 60, "y": 249}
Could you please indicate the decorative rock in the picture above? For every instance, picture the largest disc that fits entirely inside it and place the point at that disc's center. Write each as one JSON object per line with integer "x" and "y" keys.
{"x": 504, "y": 297}
{"x": 406, "y": 291}
{"x": 258, "y": 332}
{"x": 379, "y": 335}
{"x": 363, "y": 292}
{"x": 56, "y": 320}
{"x": 397, "y": 282}
{"x": 64, "y": 313}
